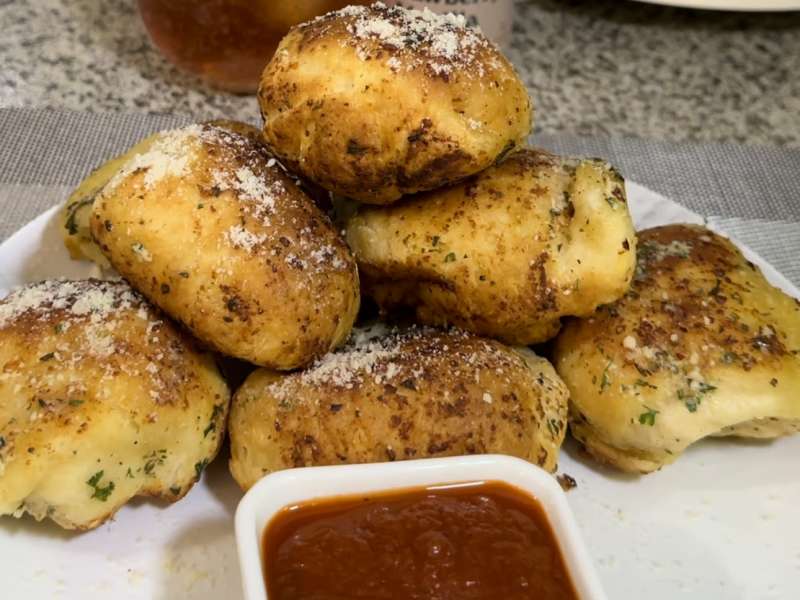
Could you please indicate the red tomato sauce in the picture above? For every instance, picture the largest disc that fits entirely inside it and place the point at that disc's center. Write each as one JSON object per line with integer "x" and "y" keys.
{"x": 480, "y": 541}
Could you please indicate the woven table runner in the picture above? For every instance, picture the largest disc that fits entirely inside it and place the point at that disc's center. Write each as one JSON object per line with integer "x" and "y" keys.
{"x": 751, "y": 192}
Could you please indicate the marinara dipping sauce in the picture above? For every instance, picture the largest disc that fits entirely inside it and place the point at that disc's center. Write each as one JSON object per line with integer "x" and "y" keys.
{"x": 483, "y": 540}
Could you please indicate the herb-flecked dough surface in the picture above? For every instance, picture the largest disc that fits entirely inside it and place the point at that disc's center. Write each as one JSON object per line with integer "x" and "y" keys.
{"x": 209, "y": 228}
{"x": 101, "y": 399}
{"x": 376, "y": 102}
{"x": 701, "y": 345}
{"x": 505, "y": 253}
{"x": 401, "y": 395}
{"x": 76, "y": 215}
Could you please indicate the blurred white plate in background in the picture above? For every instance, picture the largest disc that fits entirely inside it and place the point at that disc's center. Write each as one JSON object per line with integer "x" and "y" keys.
{"x": 739, "y": 5}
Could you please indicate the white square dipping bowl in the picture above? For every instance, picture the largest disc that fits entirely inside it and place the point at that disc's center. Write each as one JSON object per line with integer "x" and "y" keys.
{"x": 283, "y": 488}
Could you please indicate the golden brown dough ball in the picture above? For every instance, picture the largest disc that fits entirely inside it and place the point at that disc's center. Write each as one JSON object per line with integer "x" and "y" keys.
{"x": 101, "y": 399}
{"x": 209, "y": 228}
{"x": 375, "y": 102}
{"x": 505, "y": 253}
{"x": 702, "y": 345}
{"x": 399, "y": 395}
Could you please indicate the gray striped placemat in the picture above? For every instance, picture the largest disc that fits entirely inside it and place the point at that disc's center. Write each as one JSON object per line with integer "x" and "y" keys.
{"x": 752, "y": 192}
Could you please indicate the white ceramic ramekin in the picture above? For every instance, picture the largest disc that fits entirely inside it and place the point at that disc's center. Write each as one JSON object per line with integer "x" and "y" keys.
{"x": 283, "y": 488}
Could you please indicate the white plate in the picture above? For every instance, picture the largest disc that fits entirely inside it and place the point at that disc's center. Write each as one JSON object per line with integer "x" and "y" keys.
{"x": 738, "y": 5}
{"x": 722, "y": 522}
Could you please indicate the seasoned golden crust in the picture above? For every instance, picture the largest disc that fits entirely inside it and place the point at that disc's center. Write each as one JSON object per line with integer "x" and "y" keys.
{"x": 101, "y": 400}
{"x": 505, "y": 253}
{"x": 396, "y": 396}
{"x": 375, "y": 102}
{"x": 701, "y": 345}
{"x": 209, "y": 228}
{"x": 76, "y": 215}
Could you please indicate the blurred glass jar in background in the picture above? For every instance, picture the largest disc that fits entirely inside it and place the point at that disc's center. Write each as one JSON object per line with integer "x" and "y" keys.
{"x": 227, "y": 42}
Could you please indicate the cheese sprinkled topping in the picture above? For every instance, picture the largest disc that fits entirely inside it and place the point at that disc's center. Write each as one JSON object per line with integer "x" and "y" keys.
{"x": 167, "y": 157}
{"x": 396, "y": 357}
{"x": 93, "y": 298}
{"x": 442, "y": 43}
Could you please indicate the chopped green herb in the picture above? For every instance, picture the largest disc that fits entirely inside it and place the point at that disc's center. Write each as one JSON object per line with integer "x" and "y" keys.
{"x": 649, "y": 417}
{"x": 154, "y": 459}
{"x": 690, "y": 401}
{"x": 176, "y": 490}
{"x": 75, "y": 402}
{"x": 198, "y": 467}
{"x": 100, "y": 492}
{"x": 2, "y": 442}
{"x": 184, "y": 274}
{"x": 129, "y": 474}
{"x": 435, "y": 240}
{"x": 48, "y": 356}
{"x": 730, "y": 357}
{"x": 704, "y": 388}
{"x": 612, "y": 202}
{"x": 212, "y": 425}
{"x": 604, "y": 380}
{"x": 643, "y": 383}
{"x": 554, "y": 426}
{"x": 59, "y": 328}
{"x": 72, "y": 209}
{"x": 694, "y": 396}
{"x": 201, "y": 205}
{"x": 450, "y": 257}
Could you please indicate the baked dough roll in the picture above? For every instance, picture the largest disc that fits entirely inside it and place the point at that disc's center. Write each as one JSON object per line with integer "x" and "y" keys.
{"x": 211, "y": 229}
{"x": 376, "y": 102}
{"x": 701, "y": 345}
{"x": 395, "y": 396}
{"x": 505, "y": 253}
{"x": 101, "y": 399}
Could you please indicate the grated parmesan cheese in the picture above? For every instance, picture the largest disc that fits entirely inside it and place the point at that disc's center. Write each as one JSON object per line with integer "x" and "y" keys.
{"x": 239, "y": 237}
{"x": 391, "y": 357}
{"x": 442, "y": 43}
{"x": 169, "y": 156}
